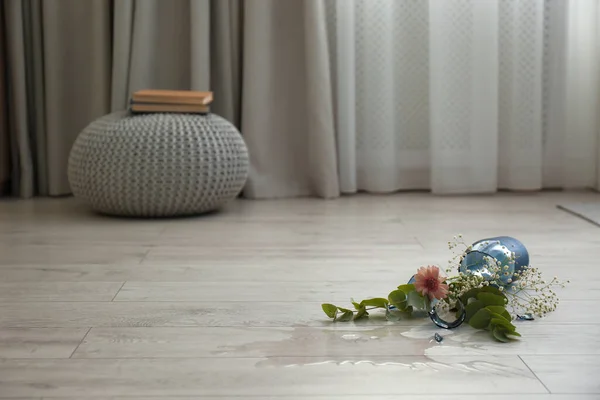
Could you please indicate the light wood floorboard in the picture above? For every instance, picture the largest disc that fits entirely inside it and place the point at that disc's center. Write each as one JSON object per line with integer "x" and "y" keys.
{"x": 567, "y": 373}
{"x": 306, "y": 376}
{"x": 59, "y": 291}
{"x": 40, "y": 342}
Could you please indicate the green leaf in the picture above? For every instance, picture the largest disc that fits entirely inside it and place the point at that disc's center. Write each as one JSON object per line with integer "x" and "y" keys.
{"x": 498, "y": 320}
{"x": 394, "y": 315}
{"x": 409, "y": 287}
{"x": 416, "y": 300}
{"x": 362, "y": 312}
{"x": 493, "y": 290}
{"x": 346, "y": 316}
{"x": 329, "y": 309}
{"x": 470, "y": 294}
{"x": 473, "y": 293}
{"x": 472, "y": 308}
{"x": 500, "y": 335}
{"x": 481, "y": 319}
{"x": 398, "y": 299}
{"x": 500, "y": 310}
{"x": 344, "y": 309}
{"x": 355, "y": 304}
{"x": 490, "y": 299}
{"x": 376, "y": 302}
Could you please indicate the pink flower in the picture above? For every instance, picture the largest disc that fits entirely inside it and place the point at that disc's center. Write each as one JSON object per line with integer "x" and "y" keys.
{"x": 429, "y": 282}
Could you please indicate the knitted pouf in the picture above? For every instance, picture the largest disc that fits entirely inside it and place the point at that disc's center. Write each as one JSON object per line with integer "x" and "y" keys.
{"x": 158, "y": 165}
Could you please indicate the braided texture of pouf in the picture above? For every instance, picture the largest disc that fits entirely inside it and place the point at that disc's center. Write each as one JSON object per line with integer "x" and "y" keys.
{"x": 158, "y": 165}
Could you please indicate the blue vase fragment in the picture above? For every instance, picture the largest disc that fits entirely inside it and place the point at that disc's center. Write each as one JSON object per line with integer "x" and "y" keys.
{"x": 509, "y": 254}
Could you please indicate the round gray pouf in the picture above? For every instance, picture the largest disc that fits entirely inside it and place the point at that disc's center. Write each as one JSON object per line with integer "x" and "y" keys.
{"x": 158, "y": 165}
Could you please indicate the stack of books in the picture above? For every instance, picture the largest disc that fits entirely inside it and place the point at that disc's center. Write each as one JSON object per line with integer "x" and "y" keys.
{"x": 171, "y": 101}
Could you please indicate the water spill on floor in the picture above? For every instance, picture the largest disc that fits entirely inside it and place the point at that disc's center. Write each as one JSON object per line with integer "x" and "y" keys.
{"x": 394, "y": 346}
{"x": 423, "y": 364}
{"x": 353, "y": 337}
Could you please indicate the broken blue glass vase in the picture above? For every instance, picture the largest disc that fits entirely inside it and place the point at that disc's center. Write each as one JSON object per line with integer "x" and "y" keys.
{"x": 507, "y": 254}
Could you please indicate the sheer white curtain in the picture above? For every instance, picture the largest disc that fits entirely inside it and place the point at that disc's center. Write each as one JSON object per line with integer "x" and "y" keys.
{"x": 466, "y": 96}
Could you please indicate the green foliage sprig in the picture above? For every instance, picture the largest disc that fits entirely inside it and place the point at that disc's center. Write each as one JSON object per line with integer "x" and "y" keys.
{"x": 405, "y": 299}
{"x": 485, "y": 309}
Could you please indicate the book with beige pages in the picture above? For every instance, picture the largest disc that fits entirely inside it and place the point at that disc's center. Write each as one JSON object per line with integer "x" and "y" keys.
{"x": 171, "y": 101}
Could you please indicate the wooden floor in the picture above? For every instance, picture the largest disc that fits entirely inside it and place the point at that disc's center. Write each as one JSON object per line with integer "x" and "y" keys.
{"x": 228, "y": 305}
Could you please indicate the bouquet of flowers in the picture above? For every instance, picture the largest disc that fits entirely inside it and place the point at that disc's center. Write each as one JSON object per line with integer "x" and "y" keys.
{"x": 495, "y": 285}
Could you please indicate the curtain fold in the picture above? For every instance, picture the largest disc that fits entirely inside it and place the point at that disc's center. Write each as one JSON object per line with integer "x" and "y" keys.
{"x": 554, "y": 89}
{"x": 59, "y": 82}
{"x": 76, "y": 77}
{"x": 4, "y": 135}
{"x": 34, "y": 47}
{"x": 226, "y": 59}
{"x": 521, "y": 96}
{"x": 22, "y": 169}
{"x": 463, "y": 74}
{"x": 582, "y": 94}
{"x": 287, "y": 118}
{"x": 320, "y": 118}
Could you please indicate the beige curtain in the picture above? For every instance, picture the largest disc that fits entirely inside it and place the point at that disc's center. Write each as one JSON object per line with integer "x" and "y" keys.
{"x": 58, "y": 52}
{"x": 287, "y": 116}
{"x": 266, "y": 60}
